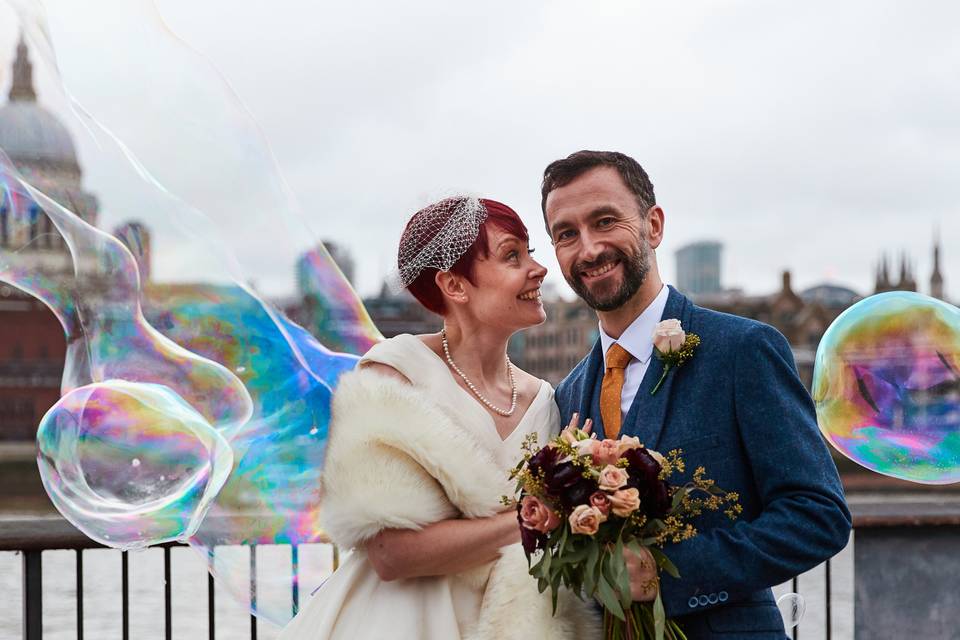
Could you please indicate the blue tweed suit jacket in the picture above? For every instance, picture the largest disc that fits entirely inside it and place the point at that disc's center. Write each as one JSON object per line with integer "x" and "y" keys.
{"x": 739, "y": 409}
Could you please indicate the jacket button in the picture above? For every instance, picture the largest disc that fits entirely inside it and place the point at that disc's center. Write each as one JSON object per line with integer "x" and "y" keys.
{"x": 704, "y": 601}
{"x": 723, "y": 596}
{"x": 692, "y": 602}
{"x": 713, "y": 598}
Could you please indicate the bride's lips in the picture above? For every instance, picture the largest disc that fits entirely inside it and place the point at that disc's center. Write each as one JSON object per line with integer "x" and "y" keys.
{"x": 532, "y": 295}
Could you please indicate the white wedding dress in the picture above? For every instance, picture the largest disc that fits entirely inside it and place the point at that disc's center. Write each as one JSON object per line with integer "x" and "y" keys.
{"x": 354, "y": 603}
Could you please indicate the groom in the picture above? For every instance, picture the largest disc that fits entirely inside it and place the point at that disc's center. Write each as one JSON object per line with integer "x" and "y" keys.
{"x": 737, "y": 407}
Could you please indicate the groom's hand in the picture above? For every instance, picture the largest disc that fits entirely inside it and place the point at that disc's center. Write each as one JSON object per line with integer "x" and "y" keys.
{"x": 643, "y": 575}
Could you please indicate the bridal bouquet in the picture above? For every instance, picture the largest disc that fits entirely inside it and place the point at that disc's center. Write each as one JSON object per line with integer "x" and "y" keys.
{"x": 582, "y": 502}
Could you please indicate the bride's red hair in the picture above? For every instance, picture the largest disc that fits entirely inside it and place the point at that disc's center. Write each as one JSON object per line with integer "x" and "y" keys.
{"x": 424, "y": 287}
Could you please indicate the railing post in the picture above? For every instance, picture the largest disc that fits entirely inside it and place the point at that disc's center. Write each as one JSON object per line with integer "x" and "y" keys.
{"x": 32, "y": 595}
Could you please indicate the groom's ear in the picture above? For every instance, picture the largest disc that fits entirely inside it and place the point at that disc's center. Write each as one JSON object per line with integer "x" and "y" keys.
{"x": 654, "y": 223}
{"x": 451, "y": 286}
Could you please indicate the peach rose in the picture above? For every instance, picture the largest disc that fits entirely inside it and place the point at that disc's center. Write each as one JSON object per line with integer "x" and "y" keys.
{"x": 625, "y": 501}
{"x": 628, "y": 442}
{"x": 668, "y": 336}
{"x": 612, "y": 478}
{"x": 537, "y": 516}
{"x": 606, "y": 452}
{"x": 585, "y": 520}
{"x": 601, "y": 501}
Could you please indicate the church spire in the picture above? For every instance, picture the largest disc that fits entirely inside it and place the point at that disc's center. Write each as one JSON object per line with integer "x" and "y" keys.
{"x": 22, "y": 86}
{"x": 936, "y": 278}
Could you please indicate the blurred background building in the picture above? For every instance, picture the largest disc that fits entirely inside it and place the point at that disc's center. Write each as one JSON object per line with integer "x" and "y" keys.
{"x": 32, "y": 345}
{"x": 698, "y": 268}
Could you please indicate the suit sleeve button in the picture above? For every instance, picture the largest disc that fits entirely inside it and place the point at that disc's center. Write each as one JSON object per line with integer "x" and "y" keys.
{"x": 722, "y": 596}
{"x": 704, "y": 601}
{"x": 692, "y": 602}
{"x": 712, "y": 598}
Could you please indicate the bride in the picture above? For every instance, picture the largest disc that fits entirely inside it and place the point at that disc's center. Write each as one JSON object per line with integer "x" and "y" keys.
{"x": 423, "y": 435}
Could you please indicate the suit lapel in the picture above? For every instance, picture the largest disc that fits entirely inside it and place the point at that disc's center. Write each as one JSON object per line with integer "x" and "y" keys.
{"x": 590, "y": 391}
{"x": 648, "y": 412}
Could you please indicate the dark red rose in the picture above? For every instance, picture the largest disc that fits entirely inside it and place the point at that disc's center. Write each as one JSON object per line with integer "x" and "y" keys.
{"x": 544, "y": 460}
{"x": 531, "y": 539}
{"x": 568, "y": 485}
{"x": 644, "y": 473}
{"x": 656, "y": 504}
{"x": 643, "y": 469}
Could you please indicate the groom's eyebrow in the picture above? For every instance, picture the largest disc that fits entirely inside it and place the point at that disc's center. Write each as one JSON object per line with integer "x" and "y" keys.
{"x": 603, "y": 210}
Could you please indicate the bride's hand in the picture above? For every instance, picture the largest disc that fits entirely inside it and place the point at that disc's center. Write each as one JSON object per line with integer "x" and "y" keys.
{"x": 575, "y": 422}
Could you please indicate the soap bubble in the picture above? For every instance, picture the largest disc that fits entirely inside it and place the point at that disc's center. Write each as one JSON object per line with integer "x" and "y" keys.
{"x": 131, "y": 487}
{"x": 210, "y": 405}
{"x": 792, "y": 607}
{"x": 887, "y": 386}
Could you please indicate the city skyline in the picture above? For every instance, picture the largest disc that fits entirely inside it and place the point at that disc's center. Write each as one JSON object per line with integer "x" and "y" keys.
{"x": 812, "y": 186}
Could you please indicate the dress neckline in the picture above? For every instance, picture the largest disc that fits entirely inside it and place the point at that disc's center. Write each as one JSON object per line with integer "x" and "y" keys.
{"x": 476, "y": 403}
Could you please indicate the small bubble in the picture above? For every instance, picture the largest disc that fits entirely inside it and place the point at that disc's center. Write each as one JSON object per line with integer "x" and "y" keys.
{"x": 135, "y": 462}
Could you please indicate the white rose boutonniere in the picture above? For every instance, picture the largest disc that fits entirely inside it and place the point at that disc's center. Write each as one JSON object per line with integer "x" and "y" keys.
{"x": 673, "y": 346}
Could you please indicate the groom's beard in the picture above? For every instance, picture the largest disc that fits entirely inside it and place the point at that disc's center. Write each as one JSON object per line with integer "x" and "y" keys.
{"x": 635, "y": 270}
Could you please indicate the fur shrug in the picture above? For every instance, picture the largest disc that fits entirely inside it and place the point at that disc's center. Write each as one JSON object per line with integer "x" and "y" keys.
{"x": 397, "y": 459}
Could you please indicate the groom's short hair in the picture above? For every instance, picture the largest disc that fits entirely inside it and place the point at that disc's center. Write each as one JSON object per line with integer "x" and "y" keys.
{"x": 562, "y": 172}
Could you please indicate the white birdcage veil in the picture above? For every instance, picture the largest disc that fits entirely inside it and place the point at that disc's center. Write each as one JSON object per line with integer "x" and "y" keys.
{"x": 437, "y": 236}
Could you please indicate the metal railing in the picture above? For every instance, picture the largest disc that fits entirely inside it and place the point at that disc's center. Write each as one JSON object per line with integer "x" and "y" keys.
{"x": 883, "y": 522}
{"x": 32, "y": 537}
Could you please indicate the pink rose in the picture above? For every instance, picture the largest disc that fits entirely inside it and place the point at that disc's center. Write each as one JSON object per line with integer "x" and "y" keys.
{"x": 600, "y": 501}
{"x": 625, "y": 501}
{"x": 537, "y": 516}
{"x": 606, "y": 452}
{"x": 585, "y": 520}
{"x": 626, "y": 443}
{"x": 612, "y": 478}
{"x": 668, "y": 336}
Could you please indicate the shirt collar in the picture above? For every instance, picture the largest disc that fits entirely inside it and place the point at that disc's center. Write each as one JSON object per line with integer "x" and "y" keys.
{"x": 637, "y": 338}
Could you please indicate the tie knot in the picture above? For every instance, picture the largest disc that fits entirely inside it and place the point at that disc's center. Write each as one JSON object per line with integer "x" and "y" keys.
{"x": 617, "y": 357}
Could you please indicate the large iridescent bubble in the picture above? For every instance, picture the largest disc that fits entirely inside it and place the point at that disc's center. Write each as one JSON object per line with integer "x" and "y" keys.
{"x": 131, "y": 487}
{"x": 193, "y": 409}
{"x": 887, "y": 386}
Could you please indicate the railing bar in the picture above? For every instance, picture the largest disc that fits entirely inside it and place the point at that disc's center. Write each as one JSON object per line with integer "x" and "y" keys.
{"x": 211, "y": 610}
{"x": 795, "y": 587}
{"x": 253, "y": 591}
{"x": 295, "y": 576}
{"x": 32, "y": 595}
{"x": 79, "y": 553}
{"x": 829, "y": 612}
{"x": 125, "y": 594}
{"x": 167, "y": 595}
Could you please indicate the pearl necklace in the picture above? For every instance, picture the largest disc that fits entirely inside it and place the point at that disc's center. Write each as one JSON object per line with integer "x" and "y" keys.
{"x": 470, "y": 385}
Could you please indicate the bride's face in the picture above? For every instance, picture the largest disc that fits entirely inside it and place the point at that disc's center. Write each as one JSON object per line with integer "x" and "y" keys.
{"x": 506, "y": 288}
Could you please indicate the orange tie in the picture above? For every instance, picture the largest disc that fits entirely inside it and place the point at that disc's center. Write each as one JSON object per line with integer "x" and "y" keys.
{"x": 610, "y": 389}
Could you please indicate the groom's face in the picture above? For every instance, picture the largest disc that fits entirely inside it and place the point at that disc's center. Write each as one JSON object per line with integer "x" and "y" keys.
{"x": 597, "y": 229}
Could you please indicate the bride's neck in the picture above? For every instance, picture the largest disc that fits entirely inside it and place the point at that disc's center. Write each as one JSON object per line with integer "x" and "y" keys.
{"x": 478, "y": 351}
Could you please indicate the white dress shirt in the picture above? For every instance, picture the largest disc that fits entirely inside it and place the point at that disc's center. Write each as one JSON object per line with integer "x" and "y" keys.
{"x": 637, "y": 340}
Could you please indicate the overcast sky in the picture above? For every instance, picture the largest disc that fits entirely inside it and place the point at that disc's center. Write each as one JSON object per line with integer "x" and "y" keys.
{"x": 805, "y": 136}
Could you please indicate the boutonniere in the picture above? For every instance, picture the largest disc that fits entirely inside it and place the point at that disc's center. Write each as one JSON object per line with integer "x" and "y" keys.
{"x": 673, "y": 346}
